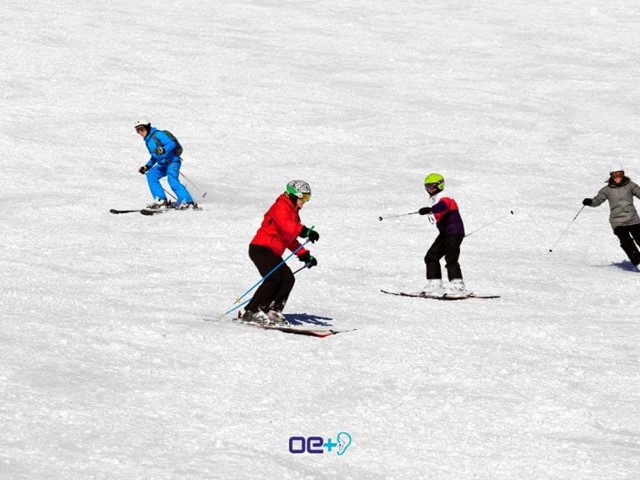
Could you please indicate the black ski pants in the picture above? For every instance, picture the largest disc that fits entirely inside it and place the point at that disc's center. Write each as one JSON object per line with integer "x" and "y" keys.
{"x": 447, "y": 246}
{"x": 274, "y": 291}
{"x": 627, "y": 234}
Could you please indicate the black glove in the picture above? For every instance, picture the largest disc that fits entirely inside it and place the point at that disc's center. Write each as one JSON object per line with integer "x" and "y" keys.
{"x": 424, "y": 211}
{"x": 308, "y": 259}
{"x": 143, "y": 169}
{"x": 159, "y": 150}
{"x": 310, "y": 234}
{"x": 587, "y": 202}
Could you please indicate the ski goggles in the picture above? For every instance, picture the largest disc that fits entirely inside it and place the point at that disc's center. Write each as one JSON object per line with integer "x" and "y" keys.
{"x": 305, "y": 197}
{"x": 431, "y": 186}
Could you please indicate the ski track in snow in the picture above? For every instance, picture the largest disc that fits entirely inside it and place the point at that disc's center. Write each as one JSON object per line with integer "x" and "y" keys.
{"x": 107, "y": 369}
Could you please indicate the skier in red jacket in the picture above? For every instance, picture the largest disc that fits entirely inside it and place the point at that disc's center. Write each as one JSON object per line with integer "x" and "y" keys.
{"x": 280, "y": 230}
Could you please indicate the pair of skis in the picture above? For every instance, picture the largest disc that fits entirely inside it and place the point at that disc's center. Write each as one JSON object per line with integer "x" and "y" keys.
{"x": 150, "y": 211}
{"x": 444, "y": 296}
{"x": 327, "y": 332}
{"x": 297, "y": 330}
{"x": 322, "y": 333}
{"x": 309, "y": 332}
{"x": 293, "y": 329}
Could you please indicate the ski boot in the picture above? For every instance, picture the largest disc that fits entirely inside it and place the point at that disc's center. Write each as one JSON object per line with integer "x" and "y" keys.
{"x": 433, "y": 288}
{"x": 187, "y": 206}
{"x": 259, "y": 317}
{"x": 159, "y": 204}
{"x": 277, "y": 318}
{"x": 457, "y": 289}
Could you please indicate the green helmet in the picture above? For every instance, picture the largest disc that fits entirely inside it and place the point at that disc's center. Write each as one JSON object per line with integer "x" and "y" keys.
{"x": 434, "y": 181}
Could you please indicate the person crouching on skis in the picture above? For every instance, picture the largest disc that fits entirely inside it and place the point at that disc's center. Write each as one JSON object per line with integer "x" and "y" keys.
{"x": 447, "y": 243}
{"x": 280, "y": 230}
{"x": 623, "y": 216}
{"x": 165, "y": 161}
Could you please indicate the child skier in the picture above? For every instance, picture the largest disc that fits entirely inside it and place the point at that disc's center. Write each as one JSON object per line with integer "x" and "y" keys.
{"x": 279, "y": 231}
{"x": 164, "y": 162}
{"x": 447, "y": 243}
{"x": 623, "y": 217}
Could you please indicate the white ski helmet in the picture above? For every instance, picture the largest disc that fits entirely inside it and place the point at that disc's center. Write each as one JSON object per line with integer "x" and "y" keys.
{"x": 616, "y": 167}
{"x": 143, "y": 123}
{"x": 299, "y": 188}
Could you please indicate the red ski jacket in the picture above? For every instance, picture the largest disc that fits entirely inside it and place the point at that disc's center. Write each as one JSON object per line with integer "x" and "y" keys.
{"x": 280, "y": 228}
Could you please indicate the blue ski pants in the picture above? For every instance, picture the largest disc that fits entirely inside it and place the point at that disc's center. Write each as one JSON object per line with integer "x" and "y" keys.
{"x": 172, "y": 172}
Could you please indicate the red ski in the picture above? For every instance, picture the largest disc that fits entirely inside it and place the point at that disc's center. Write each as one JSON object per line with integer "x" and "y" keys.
{"x": 310, "y": 332}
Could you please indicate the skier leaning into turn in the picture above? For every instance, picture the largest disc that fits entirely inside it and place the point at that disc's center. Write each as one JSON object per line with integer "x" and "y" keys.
{"x": 623, "y": 216}
{"x": 447, "y": 243}
{"x": 164, "y": 162}
{"x": 280, "y": 230}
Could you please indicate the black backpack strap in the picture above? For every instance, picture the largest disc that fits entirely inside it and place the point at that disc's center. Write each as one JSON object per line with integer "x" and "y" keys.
{"x": 155, "y": 139}
{"x": 178, "y": 149}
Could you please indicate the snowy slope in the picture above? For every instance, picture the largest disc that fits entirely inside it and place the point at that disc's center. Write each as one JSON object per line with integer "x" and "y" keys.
{"x": 106, "y": 367}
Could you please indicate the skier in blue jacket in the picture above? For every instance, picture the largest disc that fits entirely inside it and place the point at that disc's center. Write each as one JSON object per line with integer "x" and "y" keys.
{"x": 164, "y": 162}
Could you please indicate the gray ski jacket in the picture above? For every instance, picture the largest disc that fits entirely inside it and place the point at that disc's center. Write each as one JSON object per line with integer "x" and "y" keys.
{"x": 620, "y": 196}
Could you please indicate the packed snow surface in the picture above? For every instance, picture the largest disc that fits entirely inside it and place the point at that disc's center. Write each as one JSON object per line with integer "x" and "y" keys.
{"x": 107, "y": 369}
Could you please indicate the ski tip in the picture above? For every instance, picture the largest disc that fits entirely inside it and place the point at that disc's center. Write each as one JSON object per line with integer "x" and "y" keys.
{"x": 115, "y": 211}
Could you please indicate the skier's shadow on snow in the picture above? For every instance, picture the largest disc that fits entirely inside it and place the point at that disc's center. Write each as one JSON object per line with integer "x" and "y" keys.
{"x": 624, "y": 265}
{"x": 304, "y": 319}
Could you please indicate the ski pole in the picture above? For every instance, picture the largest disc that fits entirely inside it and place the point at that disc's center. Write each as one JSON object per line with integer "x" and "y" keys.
{"x": 170, "y": 194}
{"x": 272, "y": 270}
{"x": 396, "y": 215}
{"x": 193, "y": 185}
{"x": 491, "y": 223}
{"x": 235, "y": 307}
{"x": 566, "y": 229}
{"x": 167, "y": 192}
{"x": 249, "y": 299}
{"x": 300, "y": 269}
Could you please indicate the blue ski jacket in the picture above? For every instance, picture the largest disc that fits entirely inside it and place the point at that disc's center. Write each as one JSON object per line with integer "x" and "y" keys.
{"x": 161, "y": 147}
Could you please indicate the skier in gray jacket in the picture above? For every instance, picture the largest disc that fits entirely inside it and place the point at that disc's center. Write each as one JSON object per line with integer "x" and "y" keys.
{"x": 623, "y": 216}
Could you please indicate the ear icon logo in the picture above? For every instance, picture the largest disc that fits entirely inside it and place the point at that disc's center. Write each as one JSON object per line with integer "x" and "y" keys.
{"x": 344, "y": 440}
